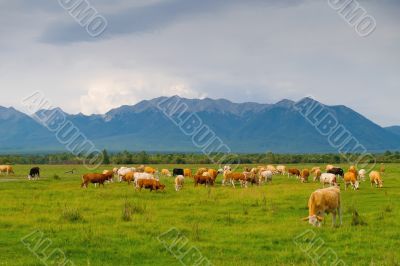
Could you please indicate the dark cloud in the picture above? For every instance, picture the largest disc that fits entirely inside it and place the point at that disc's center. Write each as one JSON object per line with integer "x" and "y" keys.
{"x": 147, "y": 18}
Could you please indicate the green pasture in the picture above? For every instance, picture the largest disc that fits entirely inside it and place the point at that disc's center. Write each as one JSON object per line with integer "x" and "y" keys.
{"x": 117, "y": 225}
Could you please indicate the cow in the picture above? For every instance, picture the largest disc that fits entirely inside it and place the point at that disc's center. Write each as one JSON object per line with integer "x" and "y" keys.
{"x": 252, "y": 178}
{"x": 233, "y": 177}
{"x": 204, "y": 179}
{"x": 265, "y": 176}
{"x": 179, "y": 180}
{"x": 34, "y": 173}
{"x": 362, "y": 174}
{"x": 375, "y": 178}
{"x": 281, "y": 169}
{"x": 8, "y": 169}
{"x": 149, "y": 170}
{"x": 294, "y": 171}
{"x": 177, "y": 171}
{"x": 272, "y": 168}
{"x": 187, "y": 172}
{"x": 95, "y": 179}
{"x": 140, "y": 169}
{"x": 151, "y": 184}
{"x": 166, "y": 172}
{"x": 202, "y": 170}
{"x": 128, "y": 177}
{"x": 350, "y": 178}
{"x": 109, "y": 172}
{"x": 329, "y": 167}
{"x": 140, "y": 176}
{"x": 382, "y": 169}
{"x": 337, "y": 171}
{"x": 321, "y": 201}
{"x": 305, "y": 173}
{"x": 317, "y": 173}
{"x": 328, "y": 179}
{"x": 123, "y": 171}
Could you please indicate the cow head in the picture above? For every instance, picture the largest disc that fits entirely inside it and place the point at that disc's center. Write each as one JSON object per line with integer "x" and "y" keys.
{"x": 314, "y": 220}
{"x": 356, "y": 185}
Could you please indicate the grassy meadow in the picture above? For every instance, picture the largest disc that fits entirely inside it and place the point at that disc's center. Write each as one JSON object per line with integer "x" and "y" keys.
{"x": 117, "y": 225}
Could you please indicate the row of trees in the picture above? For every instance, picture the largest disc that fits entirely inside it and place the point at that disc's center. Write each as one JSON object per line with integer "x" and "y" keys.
{"x": 126, "y": 157}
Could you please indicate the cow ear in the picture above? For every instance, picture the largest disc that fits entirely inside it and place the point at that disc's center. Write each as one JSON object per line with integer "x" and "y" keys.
{"x": 305, "y": 218}
{"x": 320, "y": 218}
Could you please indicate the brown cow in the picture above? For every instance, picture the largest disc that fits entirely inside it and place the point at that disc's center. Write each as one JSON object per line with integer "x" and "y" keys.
{"x": 95, "y": 179}
{"x": 305, "y": 173}
{"x": 151, "y": 184}
{"x": 150, "y": 170}
{"x": 187, "y": 173}
{"x": 294, "y": 171}
{"x": 8, "y": 169}
{"x": 233, "y": 177}
{"x": 204, "y": 179}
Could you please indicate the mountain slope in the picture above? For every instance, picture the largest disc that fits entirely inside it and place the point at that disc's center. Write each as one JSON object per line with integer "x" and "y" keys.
{"x": 244, "y": 127}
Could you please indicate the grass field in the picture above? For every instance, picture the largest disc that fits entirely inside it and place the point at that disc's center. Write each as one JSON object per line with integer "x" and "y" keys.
{"x": 117, "y": 225}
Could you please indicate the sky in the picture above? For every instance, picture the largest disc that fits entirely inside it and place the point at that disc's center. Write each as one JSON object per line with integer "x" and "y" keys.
{"x": 250, "y": 50}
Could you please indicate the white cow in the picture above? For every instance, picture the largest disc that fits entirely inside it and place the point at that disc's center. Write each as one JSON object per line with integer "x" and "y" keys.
{"x": 123, "y": 171}
{"x": 179, "y": 180}
{"x": 266, "y": 176}
{"x": 362, "y": 174}
{"x": 327, "y": 178}
{"x": 138, "y": 176}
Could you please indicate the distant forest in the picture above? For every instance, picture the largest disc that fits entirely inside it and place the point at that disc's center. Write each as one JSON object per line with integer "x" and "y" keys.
{"x": 126, "y": 157}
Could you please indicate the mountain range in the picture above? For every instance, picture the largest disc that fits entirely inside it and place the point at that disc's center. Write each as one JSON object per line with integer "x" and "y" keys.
{"x": 244, "y": 127}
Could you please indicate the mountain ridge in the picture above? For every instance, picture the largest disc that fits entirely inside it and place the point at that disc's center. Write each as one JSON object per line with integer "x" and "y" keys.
{"x": 244, "y": 127}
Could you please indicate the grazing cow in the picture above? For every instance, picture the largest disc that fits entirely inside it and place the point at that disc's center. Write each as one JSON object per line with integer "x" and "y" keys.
{"x": 187, "y": 172}
{"x": 326, "y": 200}
{"x": 151, "y": 184}
{"x": 375, "y": 178}
{"x": 128, "y": 177}
{"x": 317, "y": 173}
{"x": 329, "y": 167}
{"x": 179, "y": 180}
{"x": 166, "y": 172}
{"x": 233, "y": 177}
{"x": 204, "y": 179}
{"x": 252, "y": 178}
{"x": 305, "y": 173}
{"x": 95, "y": 179}
{"x": 177, "y": 171}
{"x": 362, "y": 174}
{"x": 294, "y": 171}
{"x": 352, "y": 169}
{"x": 34, "y": 173}
{"x": 265, "y": 176}
{"x": 141, "y": 176}
{"x": 328, "y": 179}
{"x": 336, "y": 171}
{"x": 281, "y": 169}
{"x": 149, "y": 170}
{"x": 8, "y": 169}
{"x": 123, "y": 171}
{"x": 350, "y": 178}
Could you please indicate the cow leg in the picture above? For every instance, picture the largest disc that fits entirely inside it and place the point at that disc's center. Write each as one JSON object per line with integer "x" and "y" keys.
{"x": 233, "y": 183}
{"x": 334, "y": 218}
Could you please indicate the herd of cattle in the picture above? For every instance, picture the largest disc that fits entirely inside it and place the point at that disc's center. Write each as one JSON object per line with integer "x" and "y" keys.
{"x": 321, "y": 201}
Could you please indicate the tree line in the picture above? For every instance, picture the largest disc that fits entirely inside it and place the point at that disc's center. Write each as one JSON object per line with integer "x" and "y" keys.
{"x": 143, "y": 157}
